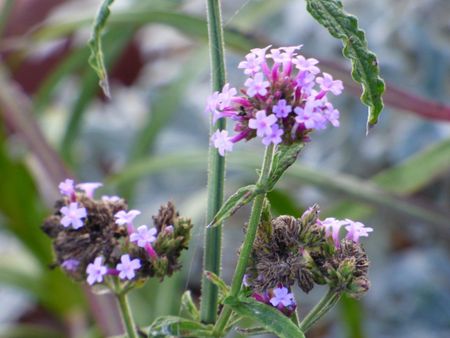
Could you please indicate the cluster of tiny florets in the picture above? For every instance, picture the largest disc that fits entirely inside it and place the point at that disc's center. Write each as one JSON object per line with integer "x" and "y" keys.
{"x": 94, "y": 239}
{"x": 285, "y": 98}
{"x": 307, "y": 251}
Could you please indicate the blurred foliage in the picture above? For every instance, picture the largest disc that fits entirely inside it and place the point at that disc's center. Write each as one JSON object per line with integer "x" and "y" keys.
{"x": 160, "y": 152}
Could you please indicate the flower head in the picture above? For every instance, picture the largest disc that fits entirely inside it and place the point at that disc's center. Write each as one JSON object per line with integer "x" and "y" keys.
{"x": 143, "y": 236}
{"x": 356, "y": 230}
{"x": 96, "y": 271}
{"x": 127, "y": 267}
{"x": 72, "y": 216}
{"x": 67, "y": 187}
{"x": 222, "y": 142}
{"x": 89, "y": 188}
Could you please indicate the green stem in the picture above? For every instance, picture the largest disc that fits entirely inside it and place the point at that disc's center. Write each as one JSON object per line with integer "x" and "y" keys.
{"x": 325, "y": 304}
{"x": 127, "y": 318}
{"x": 247, "y": 246}
{"x": 216, "y": 170}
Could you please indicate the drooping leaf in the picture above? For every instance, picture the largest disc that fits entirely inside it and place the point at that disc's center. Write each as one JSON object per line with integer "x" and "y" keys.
{"x": 188, "y": 307}
{"x": 240, "y": 198}
{"x": 284, "y": 158}
{"x": 224, "y": 289}
{"x": 365, "y": 70}
{"x": 168, "y": 326}
{"x": 96, "y": 59}
{"x": 269, "y": 317}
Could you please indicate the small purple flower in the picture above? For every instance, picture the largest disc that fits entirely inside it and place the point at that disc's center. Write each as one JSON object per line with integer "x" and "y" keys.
{"x": 252, "y": 64}
{"x": 225, "y": 97}
{"x": 281, "y": 295}
{"x": 278, "y": 56}
{"x": 262, "y": 123}
{"x": 96, "y": 271}
{"x": 256, "y": 85}
{"x": 127, "y": 267}
{"x": 308, "y": 65}
{"x": 245, "y": 281}
{"x": 73, "y": 215}
{"x": 281, "y": 109}
{"x": 70, "y": 264}
{"x": 331, "y": 114}
{"x": 356, "y": 230}
{"x": 126, "y": 218}
{"x": 305, "y": 80}
{"x": 309, "y": 117}
{"x": 111, "y": 199}
{"x": 212, "y": 104}
{"x": 143, "y": 236}
{"x": 274, "y": 137}
{"x": 67, "y": 187}
{"x": 327, "y": 84}
{"x": 89, "y": 188}
{"x": 168, "y": 229}
{"x": 332, "y": 228}
{"x": 222, "y": 142}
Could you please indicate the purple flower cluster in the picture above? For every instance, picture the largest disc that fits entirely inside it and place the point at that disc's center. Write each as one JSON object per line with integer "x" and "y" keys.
{"x": 355, "y": 230}
{"x": 278, "y": 297}
{"x": 283, "y": 100}
{"x": 126, "y": 269}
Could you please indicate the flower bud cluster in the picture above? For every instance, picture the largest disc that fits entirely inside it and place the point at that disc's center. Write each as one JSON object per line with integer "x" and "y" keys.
{"x": 285, "y": 98}
{"x": 308, "y": 251}
{"x": 96, "y": 238}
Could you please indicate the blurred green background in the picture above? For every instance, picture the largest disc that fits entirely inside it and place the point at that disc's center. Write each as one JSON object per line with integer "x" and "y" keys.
{"x": 149, "y": 142}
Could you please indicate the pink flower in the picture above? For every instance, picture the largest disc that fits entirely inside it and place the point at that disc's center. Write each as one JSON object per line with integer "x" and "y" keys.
{"x": 257, "y": 85}
{"x": 143, "y": 236}
{"x": 327, "y": 84}
{"x": 111, "y": 199}
{"x": 281, "y": 109}
{"x": 308, "y": 115}
{"x": 127, "y": 267}
{"x": 125, "y": 218}
{"x": 274, "y": 137}
{"x": 262, "y": 123}
{"x": 281, "y": 295}
{"x": 89, "y": 188}
{"x": 96, "y": 271}
{"x": 225, "y": 97}
{"x": 252, "y": 64}
{"x": 73, "y": 216}
{"x": 67, "y": 187}
{"x": 331, "y": 114}
{"x": 356, "y": 230}
{"x": 222, "y": 142}
{"x": 308, "y": 65}
{"x": 332, "y": 228}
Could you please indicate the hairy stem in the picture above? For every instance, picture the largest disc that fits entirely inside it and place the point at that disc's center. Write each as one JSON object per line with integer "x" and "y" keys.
{"x": 127, "y": 318}
{"x": 325, "y": 304}
{"x": 247, "y": 246}
{"x": 216, "y": 169}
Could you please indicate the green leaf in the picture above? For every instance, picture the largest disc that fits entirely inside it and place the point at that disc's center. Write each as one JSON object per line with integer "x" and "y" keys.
{"x": 284, "y": 158}
{"x": 224, "y": 289}
{"x": 365, "y": 70}
{"x": 240, "y": 198}
{"x": 272, "y": 319}
{"x": 168, "y": 326}
{"x": 188, "y": 307}
{"x": 252, "y": 331}
{"x": 96, "y": 59}
{"x": 31, "y": 331}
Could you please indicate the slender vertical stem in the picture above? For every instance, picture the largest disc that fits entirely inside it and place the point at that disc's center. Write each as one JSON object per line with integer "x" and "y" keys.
{"x": 255, "y": 217}
{"x": 216, "y": 169}
{"x": 325, "y": 304}
{"x": 127, "y": 318}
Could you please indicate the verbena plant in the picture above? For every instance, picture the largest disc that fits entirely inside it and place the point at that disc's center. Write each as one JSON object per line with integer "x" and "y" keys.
{"x": 285, "y": 99}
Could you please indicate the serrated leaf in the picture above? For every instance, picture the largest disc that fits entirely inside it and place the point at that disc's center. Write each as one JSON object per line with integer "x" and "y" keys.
{"x": 285, "y": 156}
{"x": 272, "y": 319}
{"x": 240, "y": 198}
{"x": 96, "y": 59}
{"x": 365, "y": 70}
{"x": 168, "y": 326}
{"x": 188, "y": 307}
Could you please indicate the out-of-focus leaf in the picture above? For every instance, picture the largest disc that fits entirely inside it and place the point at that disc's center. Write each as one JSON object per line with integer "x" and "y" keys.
{"x": 96, "y": 59}
{"x": 272, "y": 319}
{"x": 178, "y": 327}
{"x": 361, "y": 190}
{"x": 115, "y": 41}
{"x": 353, "y": 316}
{"x": 188, "y": 307}
{"x": 4, "y": 14}
{"x": 365, "y": 70}
{"x": 31, "y": 331}
{"x": 282, "y": 203}
{"x": 236, "y": 201}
